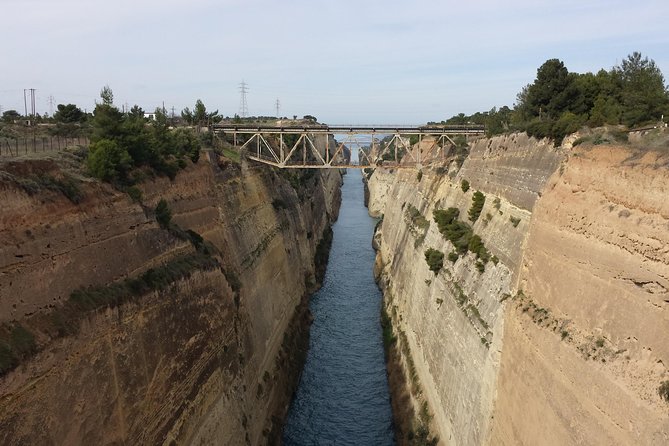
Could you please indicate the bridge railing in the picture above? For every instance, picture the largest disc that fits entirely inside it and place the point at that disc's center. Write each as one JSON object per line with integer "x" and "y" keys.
{"x": 346, "y": 128}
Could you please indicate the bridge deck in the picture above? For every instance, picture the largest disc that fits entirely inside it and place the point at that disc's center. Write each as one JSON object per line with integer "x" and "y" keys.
{"x": 299, "y": 150}
{"x": 354, "y": 129}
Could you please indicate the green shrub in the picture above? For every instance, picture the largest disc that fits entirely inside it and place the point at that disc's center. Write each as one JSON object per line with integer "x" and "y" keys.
{"x": 663, "y": 390}
{"x": 434, "y": 259}
{"x": 108, "y": 161}
{"x": 417, "y": 219}
{"x": 7, "y": 359}
{"x": 163, "y": 214}
{"x": 278, "y": 204}
{"x": 389, "y": 337}
{"x": 477, "y": 247}
{"x": 480, "y": 267}
{"x": 453, "y": 256}
{"x": 19, "y": 345}
{"x": 22, "y": 341}
{"x": 478, "y": 200}
{"x": 69, "y": 187}
{"x": 135, "y": 194}
{"x": 464, "y": 185}
{"x": 514, "y": 221}
{"x": 419, "y": 175}
{"x": 444, "y": 218}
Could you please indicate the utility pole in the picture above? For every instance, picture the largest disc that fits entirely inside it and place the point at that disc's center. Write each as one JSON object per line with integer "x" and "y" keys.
{"x": 51, "y": 103}
{"x": 32, "y": 102}
{"x": 278, "y": 105}
{"x": 25, "y": 104}
{"x": 243, "y": 106}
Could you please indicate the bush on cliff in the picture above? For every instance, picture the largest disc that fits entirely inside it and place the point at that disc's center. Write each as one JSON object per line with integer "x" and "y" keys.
{"x": 478, "y": 200}
{"x": 163, "y": 214}
{"x": 16, "y": 343}
{"x": 477, "y": 247}
{"x": 434, "y": 259}
{"x": 108, "y": 161}
{"x": 663, "y": 390}
{"x": 457, "y": 232}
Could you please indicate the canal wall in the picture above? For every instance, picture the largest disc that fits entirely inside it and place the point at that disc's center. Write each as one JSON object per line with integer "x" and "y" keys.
{"x": 560, "y": 338}
{"x": 137, "y": 334}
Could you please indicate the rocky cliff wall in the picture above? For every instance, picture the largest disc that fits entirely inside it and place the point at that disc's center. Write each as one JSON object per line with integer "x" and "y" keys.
{"x": 585, "y": 344}
{"x": 207, "y": 356}
{"x": 583, "y": 229}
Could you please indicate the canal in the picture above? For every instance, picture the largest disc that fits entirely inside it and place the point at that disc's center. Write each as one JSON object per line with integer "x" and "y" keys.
{"x": 343, "y": 396}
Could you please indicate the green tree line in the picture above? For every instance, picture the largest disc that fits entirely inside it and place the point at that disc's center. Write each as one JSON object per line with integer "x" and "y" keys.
{"x": 559, "y": 102}
{"x": 121, "y": 143}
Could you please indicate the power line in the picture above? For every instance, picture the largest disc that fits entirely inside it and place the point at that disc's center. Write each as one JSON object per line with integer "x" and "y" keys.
{"x": 51, "y": 102}
{"x": 243, "y": 106}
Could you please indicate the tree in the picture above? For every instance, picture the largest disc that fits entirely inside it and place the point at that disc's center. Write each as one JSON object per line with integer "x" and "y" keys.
{"x": 568, "y": 123}
{"x": 107, "y": 161}
{"x": 497, "y": 121}
{"x": 606, "y": 110}
{"x": 107, "y": 95}
{"x": 10, "y": 116}
{"x": 553, "y": 89}
{"x": 186, "y": 142}
{"x": 135, "y": 137}
{"x": 107, "y": 119}
{"x": 199, "y": 115}
{"x": 187, "y": 116}
{"x": 68, "y": 114}
{"x": 643, "y": 95}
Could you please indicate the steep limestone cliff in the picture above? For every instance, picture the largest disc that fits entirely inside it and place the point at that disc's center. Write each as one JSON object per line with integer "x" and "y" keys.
{"x": 208, "y": 353}
{"x": 561, "y": 338}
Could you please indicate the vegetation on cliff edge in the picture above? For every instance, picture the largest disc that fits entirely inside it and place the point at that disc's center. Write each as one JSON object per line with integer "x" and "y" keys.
{"x": 558, "y": 102}
{"x": 122, "y": 142}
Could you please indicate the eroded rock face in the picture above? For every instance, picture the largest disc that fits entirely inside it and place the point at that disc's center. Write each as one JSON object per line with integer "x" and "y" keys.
{"x": 563, "y": 341}
{"x": 596, "y": 259}
{"x": 196, "y": 362}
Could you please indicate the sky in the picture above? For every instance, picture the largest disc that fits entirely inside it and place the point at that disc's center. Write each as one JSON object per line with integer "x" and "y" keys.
{"x": 345, "y": 62}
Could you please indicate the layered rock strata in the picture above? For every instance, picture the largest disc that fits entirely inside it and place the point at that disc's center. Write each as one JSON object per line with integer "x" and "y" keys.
{"x": 210, "y": 355}
{"x": 562, "y": 338}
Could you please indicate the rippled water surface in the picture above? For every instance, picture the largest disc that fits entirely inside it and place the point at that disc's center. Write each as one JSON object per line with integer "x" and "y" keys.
{"x": 343, "y": 398}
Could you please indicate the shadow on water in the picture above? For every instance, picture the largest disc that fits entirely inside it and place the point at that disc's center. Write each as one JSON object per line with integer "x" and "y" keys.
{"x": 343, "y": 397}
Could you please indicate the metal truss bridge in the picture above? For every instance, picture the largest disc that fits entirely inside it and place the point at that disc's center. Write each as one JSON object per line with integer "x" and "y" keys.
{"x": 295, "y": 147}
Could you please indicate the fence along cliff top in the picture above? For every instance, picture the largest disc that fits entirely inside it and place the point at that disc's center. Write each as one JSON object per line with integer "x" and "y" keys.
{"x": 297, "y": 149}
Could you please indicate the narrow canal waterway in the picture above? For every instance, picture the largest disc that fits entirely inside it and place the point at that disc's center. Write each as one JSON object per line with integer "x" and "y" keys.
{"x": 343, "y": 397}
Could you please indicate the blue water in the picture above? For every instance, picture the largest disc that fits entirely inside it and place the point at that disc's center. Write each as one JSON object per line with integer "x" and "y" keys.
{"x": 342, "y": 397}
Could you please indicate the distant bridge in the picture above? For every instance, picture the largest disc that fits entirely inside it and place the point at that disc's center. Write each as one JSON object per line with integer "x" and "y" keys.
{"x": 294, "y": 146}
